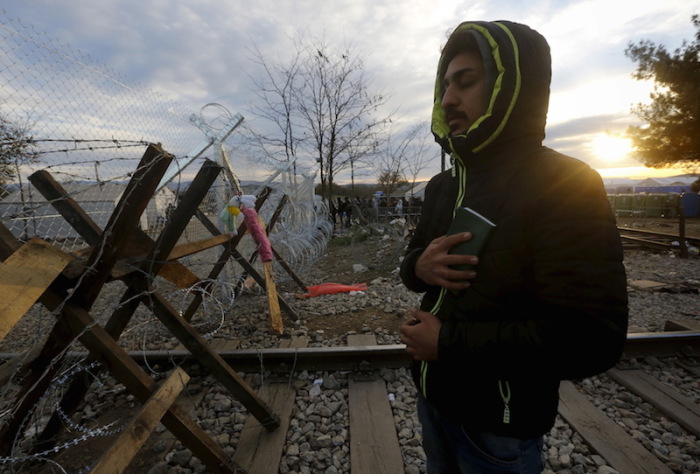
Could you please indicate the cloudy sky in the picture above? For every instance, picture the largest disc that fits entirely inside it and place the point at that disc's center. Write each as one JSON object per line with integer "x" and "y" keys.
{"x": 198, "y": 51}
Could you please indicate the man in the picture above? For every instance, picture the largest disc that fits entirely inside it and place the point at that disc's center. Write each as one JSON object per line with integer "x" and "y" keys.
{"x": 545, "y": 300}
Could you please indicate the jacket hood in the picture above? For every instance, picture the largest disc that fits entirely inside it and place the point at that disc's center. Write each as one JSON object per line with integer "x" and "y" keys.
{"x": 518, "y": 68}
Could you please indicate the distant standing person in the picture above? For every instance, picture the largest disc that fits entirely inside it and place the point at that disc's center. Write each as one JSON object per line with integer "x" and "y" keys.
{"x": 398, "y": 208}
{"x": 341, "y": 210}
{"x": 348, "y": 212}
{"x": 546, "y": 299}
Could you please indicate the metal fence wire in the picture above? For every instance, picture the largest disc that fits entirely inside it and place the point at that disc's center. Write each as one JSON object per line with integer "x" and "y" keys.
{"x": 88, "y": 126}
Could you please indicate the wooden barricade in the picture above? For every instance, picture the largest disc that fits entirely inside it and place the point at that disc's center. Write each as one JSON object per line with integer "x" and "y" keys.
{"x": 69, "y": 284}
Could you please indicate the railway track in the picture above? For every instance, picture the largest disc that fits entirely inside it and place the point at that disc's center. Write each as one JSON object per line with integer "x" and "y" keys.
{"x": 377, "y": 418}
{"x": 655, "y": 239}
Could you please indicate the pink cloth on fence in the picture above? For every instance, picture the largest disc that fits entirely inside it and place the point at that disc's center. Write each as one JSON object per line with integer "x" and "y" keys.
{"x": 258, "y": 233}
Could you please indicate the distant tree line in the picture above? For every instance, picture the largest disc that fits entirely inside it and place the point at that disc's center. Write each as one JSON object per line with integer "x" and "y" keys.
{"x": 16, "y": 148}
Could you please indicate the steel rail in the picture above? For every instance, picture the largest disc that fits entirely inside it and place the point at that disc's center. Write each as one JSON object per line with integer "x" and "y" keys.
{"x": 369, "y": 358}
{"x": 667, "y": 237}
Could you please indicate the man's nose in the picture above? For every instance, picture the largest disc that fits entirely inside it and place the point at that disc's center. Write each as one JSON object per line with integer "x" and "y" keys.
{"x": 449, "y": 98}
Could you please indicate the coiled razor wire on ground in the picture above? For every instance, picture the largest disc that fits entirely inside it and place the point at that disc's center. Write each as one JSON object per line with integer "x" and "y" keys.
{"x": 302, "y": 235}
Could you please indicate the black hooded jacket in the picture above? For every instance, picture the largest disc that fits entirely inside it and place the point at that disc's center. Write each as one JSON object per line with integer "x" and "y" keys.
{"x": 549, "y": 301}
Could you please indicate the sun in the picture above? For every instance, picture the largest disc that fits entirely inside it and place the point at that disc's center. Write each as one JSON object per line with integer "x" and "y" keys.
{"x": 611, "y": 148}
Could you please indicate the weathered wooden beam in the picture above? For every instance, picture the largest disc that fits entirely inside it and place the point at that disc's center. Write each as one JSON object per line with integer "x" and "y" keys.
{"x": 604, "y": 436}
{"x": 138, "y": 281}
{"x": 105, "y": 349}
{"x": 58, "y": 197}
{"x": 260, "y": 280}
{"x": 225, "y": 255}
{"x": 259, "y": 450}
{"x": 123, "y": 222}
{"x": 24, "y": 276}
{"x": 278, "y": 257}
{"x": 664, "y": 398}
{"x": 213, "y": 363}
{"x": 131, "y": 439}
{"x": 374, "y": 443}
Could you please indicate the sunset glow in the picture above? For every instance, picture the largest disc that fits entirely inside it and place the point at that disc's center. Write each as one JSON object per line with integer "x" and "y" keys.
{"x": 611, "y": 148}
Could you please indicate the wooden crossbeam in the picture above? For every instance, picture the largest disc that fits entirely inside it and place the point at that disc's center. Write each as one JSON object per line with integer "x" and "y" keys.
{"x": 214, "y": 364}
{"x": 105, "y": 349}
{"x": 223, "y": 257}
{"x": 156, "y": 259}
{"x": 278, "y": 257}
{"x": 604, "y": 436}
{"x": 139, "y": 285}
{"x": 258, "y": 449}
{"x": 130, "y": 441}
{"x": 24, "y": 277}
{"x": 664, "y": 398}
{"x": 374, "y": 443}
{"x": 135, "y": 243}
{"x": 99, "y": 264}
{"x": 71, "y": 297}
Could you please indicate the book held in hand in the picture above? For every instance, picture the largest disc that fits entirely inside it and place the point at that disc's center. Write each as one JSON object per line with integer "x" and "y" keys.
{"x": 481, "y": 228}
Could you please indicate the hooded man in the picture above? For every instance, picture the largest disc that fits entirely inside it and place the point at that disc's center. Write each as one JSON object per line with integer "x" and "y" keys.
{"x": 546, "y": 298}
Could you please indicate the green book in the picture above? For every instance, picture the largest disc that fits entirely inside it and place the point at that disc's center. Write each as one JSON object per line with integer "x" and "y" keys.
{"x": 468, "y": 220}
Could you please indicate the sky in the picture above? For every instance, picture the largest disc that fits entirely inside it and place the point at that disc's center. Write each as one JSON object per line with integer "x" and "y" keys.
{"x": 198, "y": 52}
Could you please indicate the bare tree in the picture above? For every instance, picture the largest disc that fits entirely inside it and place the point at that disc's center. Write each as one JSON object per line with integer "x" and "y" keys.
{"x": 275, "y": 91}
{"x": 321, "y": 107}
{"x": 419, "y": 154}
{"x": 404, "y": 155}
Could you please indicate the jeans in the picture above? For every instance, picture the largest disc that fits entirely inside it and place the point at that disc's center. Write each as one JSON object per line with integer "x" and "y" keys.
{"x": 450, "y": 449}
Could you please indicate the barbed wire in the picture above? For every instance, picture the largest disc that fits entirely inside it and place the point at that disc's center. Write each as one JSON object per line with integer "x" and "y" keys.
{"x": 88, "y": 127}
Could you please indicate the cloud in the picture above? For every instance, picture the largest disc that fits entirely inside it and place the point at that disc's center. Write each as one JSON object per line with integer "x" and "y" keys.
{"x": 196, "y": 53}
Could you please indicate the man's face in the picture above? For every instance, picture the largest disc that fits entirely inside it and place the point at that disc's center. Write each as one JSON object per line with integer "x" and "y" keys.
{"x": 464, "y": 92}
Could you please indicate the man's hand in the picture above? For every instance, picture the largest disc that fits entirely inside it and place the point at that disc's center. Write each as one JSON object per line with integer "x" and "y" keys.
{"x": 434, "y": 264}
{"x": 421, "y": 335}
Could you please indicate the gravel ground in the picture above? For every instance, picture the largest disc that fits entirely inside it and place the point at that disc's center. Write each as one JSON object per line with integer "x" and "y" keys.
{"x": 318, "y": 435}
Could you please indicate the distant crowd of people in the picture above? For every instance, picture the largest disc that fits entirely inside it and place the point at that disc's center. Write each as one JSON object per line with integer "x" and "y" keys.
{"x": 344, "y": 211}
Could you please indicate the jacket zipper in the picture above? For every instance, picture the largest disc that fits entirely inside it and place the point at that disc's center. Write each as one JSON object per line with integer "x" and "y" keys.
{"x": 459, "y": 170}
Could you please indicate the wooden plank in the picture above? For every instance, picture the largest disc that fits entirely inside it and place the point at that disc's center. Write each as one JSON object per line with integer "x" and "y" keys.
{"x": 681, "y": 325}
{"x": 122, "y": 223}
{"x": 8, "y": 242}
{"x": 260, "y": 280}
{"x": 692, "y": 368}
{"x": 259, "y": 450}
{"x": 24, "y": 276}
{"x": 139, "y": 244}
{"x": 374, "y": 444}
{"x": 289, "y": 270}
{"x": 146, "y": 457}
{"x": 54, "y": 193}
{"x": 129, "y": 442}
{"x": 664, "y": 398}
{"x": 138, "y": 383}
{"x": 156, "y": 261}
{"x": 604, "y": 436}
{"x": 190, "y": 248}
{"x": 214, "y": 364}
{"x": 278, "y": 257}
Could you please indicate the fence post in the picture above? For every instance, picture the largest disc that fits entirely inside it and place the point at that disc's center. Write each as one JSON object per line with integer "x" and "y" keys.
{"x": 681, "y": 231}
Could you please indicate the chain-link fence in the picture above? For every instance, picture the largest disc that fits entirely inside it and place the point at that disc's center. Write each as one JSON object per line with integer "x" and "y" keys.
{"x": 89, "y": 127}
{"x": 64, "y": 113}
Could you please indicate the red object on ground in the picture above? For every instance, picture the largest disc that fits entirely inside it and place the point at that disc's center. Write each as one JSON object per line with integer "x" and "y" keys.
{"x": 332, "y": 288}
